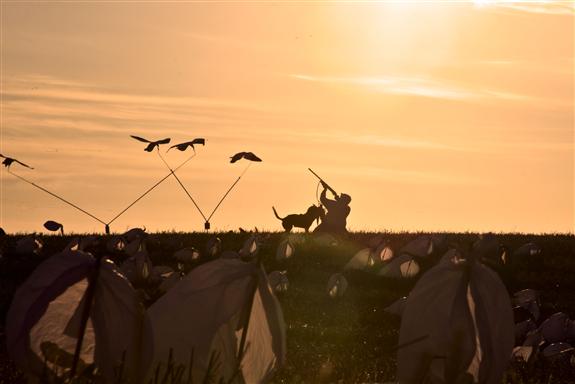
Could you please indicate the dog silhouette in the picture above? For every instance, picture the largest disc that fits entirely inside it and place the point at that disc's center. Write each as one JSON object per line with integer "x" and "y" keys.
{"x": 315, "y": 212}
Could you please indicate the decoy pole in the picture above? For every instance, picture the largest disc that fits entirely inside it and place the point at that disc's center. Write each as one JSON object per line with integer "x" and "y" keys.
{"x": 207, "y": 224}
{"x": 58, "y": 197}
{"x": 145, "y": 193}
{"x": 88, "y": 300}
{"x": 172, "y": 172}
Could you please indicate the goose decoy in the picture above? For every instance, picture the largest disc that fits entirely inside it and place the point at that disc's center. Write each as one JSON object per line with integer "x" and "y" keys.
{"x": 9, "y": 160}
{"x": 151, "y": 144}
{"x": 184, "y": 146}
{"x": 244, "y": 155}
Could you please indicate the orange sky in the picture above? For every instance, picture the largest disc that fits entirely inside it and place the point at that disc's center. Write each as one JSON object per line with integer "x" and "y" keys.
{"x": 432, "y": 115}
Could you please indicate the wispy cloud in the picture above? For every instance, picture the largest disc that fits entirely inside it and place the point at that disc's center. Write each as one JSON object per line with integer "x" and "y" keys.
{"x": 416, "y": 86}
{"x": 548, "y": 7}
{"x": 395, "y": 85}
{"x": 39, "y": 106}
{"x": 412, "y": 176}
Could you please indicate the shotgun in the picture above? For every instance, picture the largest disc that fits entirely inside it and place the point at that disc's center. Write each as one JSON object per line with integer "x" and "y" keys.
{"x": 324, "y": 183}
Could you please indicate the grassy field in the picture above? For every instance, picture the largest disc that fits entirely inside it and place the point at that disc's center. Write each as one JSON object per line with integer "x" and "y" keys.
{"x": 350, "y": 339}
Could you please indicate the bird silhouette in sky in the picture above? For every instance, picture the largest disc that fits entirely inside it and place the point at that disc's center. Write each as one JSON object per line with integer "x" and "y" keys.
{"x": 184, "y": 146}
{"x": 244, "y": 155}
{"x": 9, "y": 160}
{"x": 151, "y": 144}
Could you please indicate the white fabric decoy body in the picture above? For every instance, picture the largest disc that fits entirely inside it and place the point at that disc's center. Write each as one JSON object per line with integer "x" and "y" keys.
{"x": 43, "y": 323}
{"x": 402, "y": 266}
{"x": 421, "y": 246}
{"x": 285, "y": 250}
{"x": 279, "y": 281}
{"x": 397, "y": 307}
{"x": 205, "y": 315}
{"x": 28, "y": 245}
{"x": 457, "y": 327}
{"x": 336, "y": 285}
{"x": 362, "y": 260}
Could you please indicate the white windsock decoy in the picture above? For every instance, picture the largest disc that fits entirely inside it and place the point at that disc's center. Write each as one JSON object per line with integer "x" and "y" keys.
{"x": 556, "y": 328}
{"x": 213, "y": 247}
{"x": 488, "y": 249}
{"x": 403, "y": 266}
{"x": 523, "y": 328}
{"x": 453, "y": 256}
{"x": 285, "y": 250}
{"x": 169, "y": 282}
{"x": 528, "y": 299}
{"x": 457, "y": 325}
{"x": 45, "y": 320}
{"x": 137, "y": 269}
{"x": 529, "y": 249}
{"x": 135, "y": 234}
{"x": 116, "y": 244}
{"x": 187, "y": 255}
{"x": 82, "y": 243}
{"x": 278, "y": 281}
{"x": 361, "y": 260}
{"x": 529, "y": 350}
{"x": 559, "y": 351}
{"x": 229, "y": 255}
{"x": 422, "y": 246}
{"x": 336, "y": 285}
{"x": 383, "y": 252}
{"x": 250, "y": 248}
{"x": 218, "y": 309}
{"x": 397, "y": 307}
{"x": 326, "y": 240}
{"x": 28, "y": 245}
{"x": 133, "y": 247}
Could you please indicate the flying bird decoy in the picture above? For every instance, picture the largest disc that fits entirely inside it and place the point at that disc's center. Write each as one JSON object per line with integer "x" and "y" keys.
{"x": 54, "y": 226}
{"x": 244, "y": 155}
{"x": 151, "y": 144}
{"x": 9, "y": 160}
{"x": 184, "y": 146}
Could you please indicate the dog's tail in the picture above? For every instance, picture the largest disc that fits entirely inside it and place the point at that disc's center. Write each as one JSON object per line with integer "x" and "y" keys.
{"x": 276, "y": 213}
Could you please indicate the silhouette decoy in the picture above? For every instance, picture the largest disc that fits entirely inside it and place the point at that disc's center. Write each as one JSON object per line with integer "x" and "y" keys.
{"x": 9, "y": 160}
{"x": 151, "y": 144}
{"x": 244, "y": 155}
{"x": 54, "y": 226}
{"x": 184, "y": 146}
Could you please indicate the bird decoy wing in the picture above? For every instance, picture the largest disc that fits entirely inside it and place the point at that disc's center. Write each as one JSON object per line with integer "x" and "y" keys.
{"x": 199, "y": 140}
{"x": 179, "y": 146}
{"x": 163, "y": 141}
{"x": 52, "y": 225}
{"x": 140, "y": 139}
{"x": 236, "y": 157}
{"x": 251, "y": 156}
{"x": 21, "y": 163}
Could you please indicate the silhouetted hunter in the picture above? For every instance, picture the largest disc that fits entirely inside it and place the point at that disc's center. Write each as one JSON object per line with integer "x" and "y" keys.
{"x": 335, "y": 219}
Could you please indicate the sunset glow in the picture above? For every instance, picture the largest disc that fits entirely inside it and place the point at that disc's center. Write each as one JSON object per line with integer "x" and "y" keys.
{"x": 449, "y": 116}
